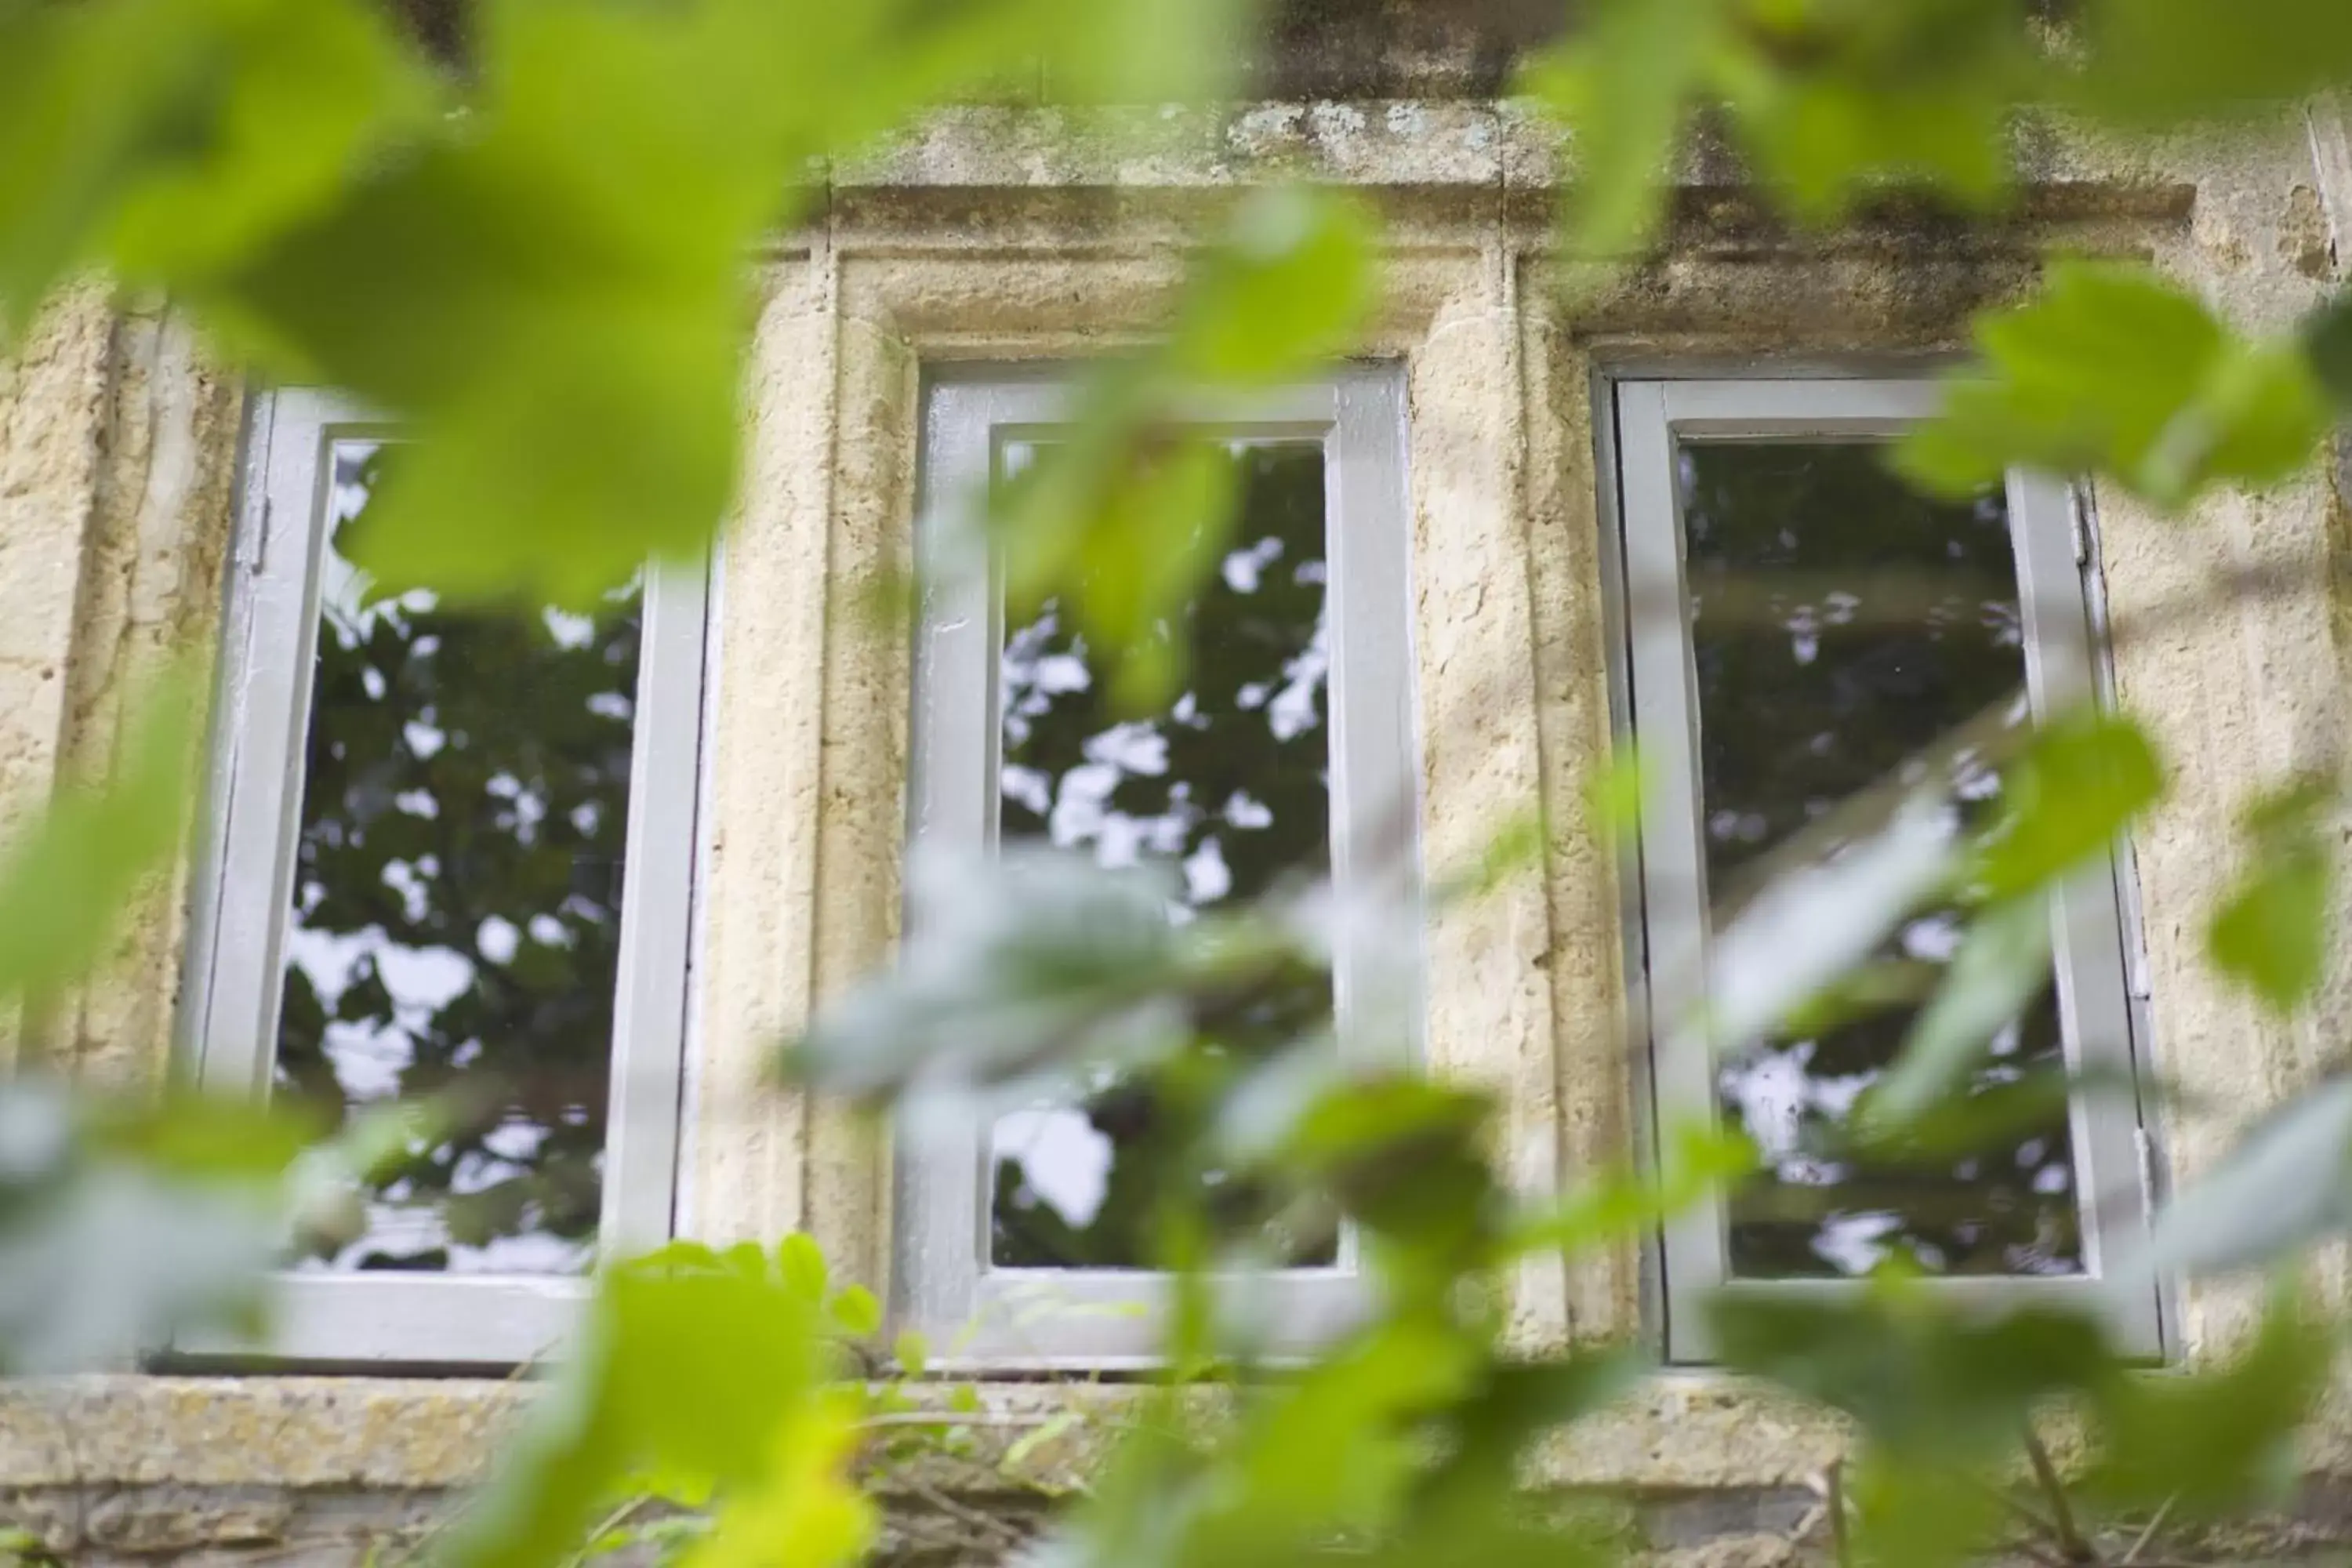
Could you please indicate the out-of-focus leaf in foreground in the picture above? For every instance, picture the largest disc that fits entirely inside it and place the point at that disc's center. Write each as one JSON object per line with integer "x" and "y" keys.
{"x": 710, "y": 1369}
{"x": 1123, "y": 513}
{"x": 2220, "y": 1439}
{"x": 2112, "y": 370}
{"x": 2271, "y": 934}
{"x": 165, "y": 137}
{"x": 1015, "y": 965}
{"x": 66, "y": 885}
{"x": 1757, "y": 975}
{"x": 1835, "y": 101}
{"x": 2287, "y": 1182}
{"x": 1622, "y": 87}
{"x": 2002, "y": 965}
{"x": 120, "y": 1227}
{"x": 2079, "y": 784}
{"x": 1842, "y": 98}
{"x": 2158, "y": 62}
{"x": 1922, "y": 1373}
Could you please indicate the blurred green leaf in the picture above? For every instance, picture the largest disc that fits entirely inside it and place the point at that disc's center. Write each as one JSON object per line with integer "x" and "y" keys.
{"x": 2212, "y": 1441}
{"x": 854, "y": 1311}
{"x": 690, "y": 1366}
{"x": 1703, "y": 1159}
{"x": 299, "y": 93}
{"x": 2273, "y": 932}
{"x": 1838, "y": 99}
{"x": 165, "y": 136}
{"x": 2112, "y": 370}
{"x": 1988, "y": 1116}
{"x": 1122, "y": 515}
{"x": 1613, "y": 794}
{"x": 1402, "y": 1155}
{"x": 1921, "y": 1513}
{"x": 2286, "y": 1184}
{"x": 1142, "y": 51}
{"x": 1924, "y": 1375}
{"x": 1621, "y": 85}
{"x": 2065, "y": 800}
{"x": 1292, "y": 283}
{"x": 1122, "y": 527}
{"x": 806, "y": 1509}
{"x": 2002, "y": 965}
{"x": 1514, "y": 1405}
{"x": 1017, "y": 966}
{"x": 2157, "y": 62}
{"x": 121, "y": 1226}
{"x": 1805, "y": 930}
{"x": 803, "y": 1265}
{"x": 66, "y": 884}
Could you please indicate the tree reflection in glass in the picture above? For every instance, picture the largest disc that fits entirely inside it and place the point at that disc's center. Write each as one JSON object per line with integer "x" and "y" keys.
{"x": 1229, "y": 785}
{"x": 455, "y": 915}
{"x": 1810, "y": 691}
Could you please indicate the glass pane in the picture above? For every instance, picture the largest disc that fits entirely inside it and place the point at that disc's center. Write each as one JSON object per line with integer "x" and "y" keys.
{"x": 1230, "y": 785}
{"x": 1841, "y": 624}
{"x": 456, "y": 905}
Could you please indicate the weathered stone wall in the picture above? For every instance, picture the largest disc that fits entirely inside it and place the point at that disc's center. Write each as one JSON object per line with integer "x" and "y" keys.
{"x": 1031, "y": 234}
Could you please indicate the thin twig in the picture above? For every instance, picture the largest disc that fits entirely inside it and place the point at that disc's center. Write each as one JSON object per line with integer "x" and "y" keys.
{"x": 955, "y": 1418}
{"x": 2154, "y": 1524}
{"x": 987, "y": 1524}
{"x": 609, "y": 1523}
{"x": 2062, "y": 1516}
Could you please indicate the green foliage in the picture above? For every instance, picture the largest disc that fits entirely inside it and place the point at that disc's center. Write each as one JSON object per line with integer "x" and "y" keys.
{"x": 1839, "y": 98}
{"x": 547, "y": 286}
{"x": 2111, "y": 370}
{"x": 2287, "y": 1184}
{"x": 1923, "y": 1375}
{"x": 1125, "y": 516}
{"x": 1024, "y": 963}
{"x": 2273, "y": 930}
{"x": 2154, "y": 62}
{"x": 1624, "y": 86}
{"x": 65, "y": 885}
{"x": 2002, "y": 965}
{"x": 121, "y": 1227}
{"x": 1835, "y": 101}
{"x": 2075, "y": 789}
{"x": 542, "y": 270}
{"x": 1700, "y": 1160}
{"x": 167, "y": 137}
{"x": 717, "y": 1371}
{"x": 2223, "y": 1439}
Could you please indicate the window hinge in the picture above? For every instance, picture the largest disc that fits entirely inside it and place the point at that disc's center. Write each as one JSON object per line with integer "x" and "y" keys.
{"x": 2145, "y": 1146}
{"x": 2081, "y": 534}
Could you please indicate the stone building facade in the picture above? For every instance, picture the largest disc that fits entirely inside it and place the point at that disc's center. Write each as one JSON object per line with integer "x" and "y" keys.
{"x": 1005, "y": 234}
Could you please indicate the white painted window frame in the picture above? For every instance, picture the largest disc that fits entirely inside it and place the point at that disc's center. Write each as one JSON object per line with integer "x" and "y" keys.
{"x": 975, "y": 1313}
{"x": 1659, "y": 709}
{"x": 243, "y": 892}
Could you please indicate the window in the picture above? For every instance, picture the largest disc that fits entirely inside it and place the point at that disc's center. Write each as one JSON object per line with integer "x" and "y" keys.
{"x": 448, "y": 854}
{"x": 1799, "y": 625}
{"x": 1289, "y": 754}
